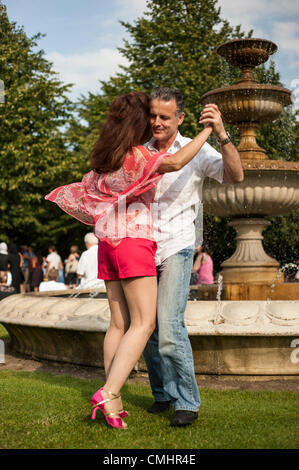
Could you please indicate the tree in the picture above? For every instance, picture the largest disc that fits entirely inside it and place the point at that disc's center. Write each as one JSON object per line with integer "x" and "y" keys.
{"x": 34, "y": 154}
{"x": 174, "y": 44}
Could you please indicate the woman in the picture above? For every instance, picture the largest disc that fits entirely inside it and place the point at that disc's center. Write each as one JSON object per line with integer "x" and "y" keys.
{"x": 15, "y": 261}
{"x": 202, "y": 271}
{"x": 3, "y": 257}
{"x": 71, "y": 265}
{"x": 116, "y": 198}
{"x": 36, "y": 272}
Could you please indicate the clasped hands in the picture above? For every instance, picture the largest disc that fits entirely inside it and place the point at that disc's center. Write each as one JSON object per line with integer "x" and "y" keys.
{"x": 211, "y": 116}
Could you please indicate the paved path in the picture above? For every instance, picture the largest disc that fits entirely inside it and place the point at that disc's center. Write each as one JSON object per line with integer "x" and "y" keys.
{"x": 14, "y": 361}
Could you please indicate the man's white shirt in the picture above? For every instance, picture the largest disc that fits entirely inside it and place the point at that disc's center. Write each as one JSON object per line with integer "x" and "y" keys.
{"x": 54, "y": 260}
{"x": 88, "y": 268}
{"x": 51, "y": 285}
{"x": 178, "y": 198}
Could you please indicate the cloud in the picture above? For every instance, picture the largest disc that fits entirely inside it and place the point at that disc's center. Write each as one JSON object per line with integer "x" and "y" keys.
{"x": 134, "y": 5}
{"x": 269, "y": 19}
{"x": 86, "y": 69}
{"x": 263, "y": 13}
{"x": 130, "y": 9}
{"x": 245, "y": 13}
{"x": 287, "y": 35}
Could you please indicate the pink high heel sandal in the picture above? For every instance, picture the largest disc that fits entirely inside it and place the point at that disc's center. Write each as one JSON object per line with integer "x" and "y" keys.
{"x": 98, "y": 403}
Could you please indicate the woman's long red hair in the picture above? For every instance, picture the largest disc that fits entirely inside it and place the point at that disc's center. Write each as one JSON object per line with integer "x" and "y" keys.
{"x": 126, "y": 126}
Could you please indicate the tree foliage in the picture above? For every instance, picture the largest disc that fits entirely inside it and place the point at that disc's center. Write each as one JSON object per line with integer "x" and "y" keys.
{"x": 174, "y": 44}
{"x": 34, "y": 154}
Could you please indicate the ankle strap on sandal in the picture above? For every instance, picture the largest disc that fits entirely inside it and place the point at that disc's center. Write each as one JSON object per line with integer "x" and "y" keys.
{"x": 110, "y": 393}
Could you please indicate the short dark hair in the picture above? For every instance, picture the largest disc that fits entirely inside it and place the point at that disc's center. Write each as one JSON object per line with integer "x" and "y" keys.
{"x": 167, "y": 94}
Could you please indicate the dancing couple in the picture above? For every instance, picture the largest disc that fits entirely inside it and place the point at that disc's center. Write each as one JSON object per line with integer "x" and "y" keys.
{"x": 135, "y": 196}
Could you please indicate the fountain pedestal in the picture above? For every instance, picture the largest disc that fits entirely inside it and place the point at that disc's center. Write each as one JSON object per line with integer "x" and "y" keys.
{"x": 250, "y": 263}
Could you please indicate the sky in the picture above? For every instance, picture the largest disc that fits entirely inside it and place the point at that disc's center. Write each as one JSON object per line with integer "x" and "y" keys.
{"x": 82, "y": 37}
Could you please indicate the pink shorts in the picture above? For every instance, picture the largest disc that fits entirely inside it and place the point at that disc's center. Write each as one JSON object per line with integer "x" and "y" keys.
{"x": 133, "y": 257}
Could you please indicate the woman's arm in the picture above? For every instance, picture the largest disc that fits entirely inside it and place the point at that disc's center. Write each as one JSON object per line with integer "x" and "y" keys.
{"x": 21, "y": 259}
{"x": 183, "y": 156}
{"x": 197, "y": 263}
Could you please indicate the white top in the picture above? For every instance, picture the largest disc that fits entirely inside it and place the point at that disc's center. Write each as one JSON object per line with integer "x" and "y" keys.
{"x": 179, "y": 198}
{"x": 88, "y": 268}
{"x": 51, "y": 285}
{"x": 53, "y": 260}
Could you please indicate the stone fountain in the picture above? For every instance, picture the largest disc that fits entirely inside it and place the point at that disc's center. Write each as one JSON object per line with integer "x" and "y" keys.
{"x": 270, "y": 187}
{"x": 254, "y": 335}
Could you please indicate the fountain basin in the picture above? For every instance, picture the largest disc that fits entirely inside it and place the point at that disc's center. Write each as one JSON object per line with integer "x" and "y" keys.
{"x": 248, "y": 52}
{"x": 246, "y": 337}
{"x": 270, "y": 187}
{"x": 249, "y": 102}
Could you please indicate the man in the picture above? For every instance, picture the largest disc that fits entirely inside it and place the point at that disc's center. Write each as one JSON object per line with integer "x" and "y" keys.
{"x": 53, "y": 260}
{"x": 87, "y": 269}
{"x": 168, "y": 353}
{"x": 52, "y": 283}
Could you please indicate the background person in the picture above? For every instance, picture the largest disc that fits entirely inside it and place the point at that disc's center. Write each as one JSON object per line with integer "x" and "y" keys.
{"x": 5, "y": 290}
{"x": 202, "y": 270}
{"x": 3, "y": 257}
{"x": 15, "y": 265}
{"x": 36, "y": 273}
{"x": 4, "y": 262}
{"x": 87, "y": 269}
{"x": 53, "y": 260}
{"x": 27, "y": 255}
{"x": 52, "y": 283}
{"x": 71, "y": 266}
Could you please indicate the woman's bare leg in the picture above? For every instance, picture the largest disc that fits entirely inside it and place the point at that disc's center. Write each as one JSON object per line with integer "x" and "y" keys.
{"x": 141, "y": 297}
{"x": 119, "y": 324}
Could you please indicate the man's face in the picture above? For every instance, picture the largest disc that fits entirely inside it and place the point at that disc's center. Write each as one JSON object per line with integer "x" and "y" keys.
{"x": 164, "y": 120}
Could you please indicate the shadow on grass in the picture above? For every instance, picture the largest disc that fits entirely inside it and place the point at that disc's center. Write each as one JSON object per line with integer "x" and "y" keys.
{"x": 137, "y": 397}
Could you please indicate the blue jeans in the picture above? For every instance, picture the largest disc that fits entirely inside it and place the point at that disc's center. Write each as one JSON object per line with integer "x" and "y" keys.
{"x": 168, "y": 353}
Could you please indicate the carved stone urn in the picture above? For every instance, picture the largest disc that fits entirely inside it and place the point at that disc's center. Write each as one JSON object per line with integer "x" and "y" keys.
{"x": 270, "y": 187}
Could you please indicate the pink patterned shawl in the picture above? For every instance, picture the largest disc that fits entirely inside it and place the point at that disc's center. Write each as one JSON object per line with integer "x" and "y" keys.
{"x": 117, "y": 204}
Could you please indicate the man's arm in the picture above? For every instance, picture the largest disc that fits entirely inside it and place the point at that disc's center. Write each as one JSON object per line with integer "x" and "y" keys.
{"x": 233, "y": 171}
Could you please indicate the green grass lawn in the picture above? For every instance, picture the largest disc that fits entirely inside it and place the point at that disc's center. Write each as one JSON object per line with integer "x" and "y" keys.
{"x": 3, "y": 332}
{"x": 43, "y": 411}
